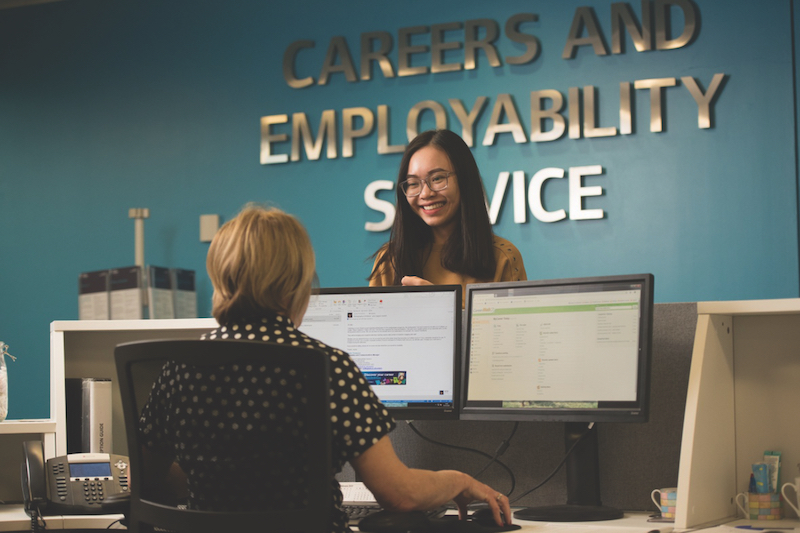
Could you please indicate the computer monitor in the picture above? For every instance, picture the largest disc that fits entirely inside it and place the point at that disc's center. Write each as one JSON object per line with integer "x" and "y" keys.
{"x": 405, "y": 340}
{"x": 568, "y": 350}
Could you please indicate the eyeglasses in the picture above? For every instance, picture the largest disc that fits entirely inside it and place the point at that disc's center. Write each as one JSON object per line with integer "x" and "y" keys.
{"x": 437, "y": 182}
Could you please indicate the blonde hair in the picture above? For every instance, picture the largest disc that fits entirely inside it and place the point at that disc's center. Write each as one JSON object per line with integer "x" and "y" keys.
{"x": 262, "y": 260}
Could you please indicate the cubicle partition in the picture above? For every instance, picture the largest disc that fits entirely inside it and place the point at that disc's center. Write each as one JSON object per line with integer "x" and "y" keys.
{"x": 635, "y": 458}
{"x": 723, "y": 389}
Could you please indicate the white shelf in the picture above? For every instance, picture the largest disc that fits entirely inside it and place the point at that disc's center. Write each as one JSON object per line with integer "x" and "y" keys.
{"x": 13, "y": 518}
{"x": 85, "y": 349}
{"x": 132, "y": 325}
{"x": 750, "y": 307}
{"x": 17, "y": 427}
{"x": 740, "y": 402}
{"x": 45, "y": 428}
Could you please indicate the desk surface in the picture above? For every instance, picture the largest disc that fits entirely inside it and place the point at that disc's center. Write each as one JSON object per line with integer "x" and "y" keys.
{"x": 637, "y": 522}
{"x": 787, "y": 525}
{"x": 13, "y": 518}
{"x": 630, "y": 523}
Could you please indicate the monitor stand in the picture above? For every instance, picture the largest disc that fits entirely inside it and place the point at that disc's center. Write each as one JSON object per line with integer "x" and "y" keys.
{"x": 583, "y": 483}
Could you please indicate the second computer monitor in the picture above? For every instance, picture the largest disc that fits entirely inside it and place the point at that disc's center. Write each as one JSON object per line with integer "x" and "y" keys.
{"x": 405, "y": 340}
{"x": 567, "y": 349}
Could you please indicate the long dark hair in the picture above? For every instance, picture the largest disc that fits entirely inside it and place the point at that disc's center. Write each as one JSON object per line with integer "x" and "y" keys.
{"x": 469, "y": 250}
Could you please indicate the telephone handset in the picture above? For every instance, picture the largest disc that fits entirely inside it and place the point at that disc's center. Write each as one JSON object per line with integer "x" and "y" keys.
{"x": 71, "y": 484}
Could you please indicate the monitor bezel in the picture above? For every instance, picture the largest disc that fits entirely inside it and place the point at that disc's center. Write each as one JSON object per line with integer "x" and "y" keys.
{"x": 639, "y": 412}
{"x": 421, "y": 413}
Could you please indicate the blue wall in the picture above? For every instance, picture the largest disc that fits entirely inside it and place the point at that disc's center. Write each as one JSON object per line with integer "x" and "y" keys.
{"x": 107, "y": 105}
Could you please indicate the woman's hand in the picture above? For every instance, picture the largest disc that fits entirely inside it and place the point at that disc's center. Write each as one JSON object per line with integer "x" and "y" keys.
{"x": 414, "y": 280}
{"x": 399, "y": 488}
{"x": 477, "y": 491}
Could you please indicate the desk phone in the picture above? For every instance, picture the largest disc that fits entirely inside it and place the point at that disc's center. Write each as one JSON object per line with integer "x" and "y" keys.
{"x": 71, "y": 484}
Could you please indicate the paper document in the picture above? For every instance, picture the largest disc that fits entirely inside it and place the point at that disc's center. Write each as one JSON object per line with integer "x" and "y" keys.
{"x": 355, "y": 491}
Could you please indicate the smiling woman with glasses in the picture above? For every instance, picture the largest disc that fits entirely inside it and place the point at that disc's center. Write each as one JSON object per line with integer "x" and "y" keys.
{"x": 441, "y": 232}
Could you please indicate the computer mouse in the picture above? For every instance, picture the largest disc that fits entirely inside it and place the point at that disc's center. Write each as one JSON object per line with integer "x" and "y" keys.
{"x": 395, "y": 522}
{"x": 485, "y": 517}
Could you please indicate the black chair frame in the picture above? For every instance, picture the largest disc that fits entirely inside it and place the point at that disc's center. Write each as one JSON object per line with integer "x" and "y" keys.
{"x": 313, "y": 365}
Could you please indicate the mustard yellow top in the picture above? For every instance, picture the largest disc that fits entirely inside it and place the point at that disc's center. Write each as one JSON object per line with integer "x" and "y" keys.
{"x": 507, "y": 257}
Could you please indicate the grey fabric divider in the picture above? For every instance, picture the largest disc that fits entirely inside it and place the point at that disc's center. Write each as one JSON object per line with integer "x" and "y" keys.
{"x": 635, "y": 458}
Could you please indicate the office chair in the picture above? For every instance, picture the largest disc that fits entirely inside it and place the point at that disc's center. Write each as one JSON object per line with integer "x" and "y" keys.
{"x": 138, "y": 366}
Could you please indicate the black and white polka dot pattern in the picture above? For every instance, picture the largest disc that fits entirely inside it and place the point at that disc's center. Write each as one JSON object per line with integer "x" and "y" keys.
{"x": 240, "y": 423}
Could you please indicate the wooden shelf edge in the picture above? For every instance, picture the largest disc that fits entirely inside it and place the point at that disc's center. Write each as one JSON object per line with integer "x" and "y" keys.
{"x": 132, "y": 325}
{"x": 750, "y": 307}
{"x": 10, "y": 427}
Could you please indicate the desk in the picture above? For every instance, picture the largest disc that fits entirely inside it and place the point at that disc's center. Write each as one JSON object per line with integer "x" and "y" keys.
{"x": 786, "y": 525}
{"x": 634, "y": 522}
{"x": 13, "y": 518}
{"x": 761, "y": 337}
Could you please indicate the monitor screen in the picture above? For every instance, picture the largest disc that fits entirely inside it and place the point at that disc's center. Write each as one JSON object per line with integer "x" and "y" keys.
{"x": 405, "y": 340}
{"x": 568, "y": 350}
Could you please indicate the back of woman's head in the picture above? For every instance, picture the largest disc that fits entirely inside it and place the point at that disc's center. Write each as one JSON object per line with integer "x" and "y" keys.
{"x": 261, "y": 261}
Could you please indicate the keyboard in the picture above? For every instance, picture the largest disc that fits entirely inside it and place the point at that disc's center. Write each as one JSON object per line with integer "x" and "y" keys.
{"x": 359, "y": 502}
{"x": 357, "y": 511}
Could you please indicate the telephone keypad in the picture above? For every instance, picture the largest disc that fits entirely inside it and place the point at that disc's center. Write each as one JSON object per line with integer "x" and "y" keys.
{"x": 93, "y": 491}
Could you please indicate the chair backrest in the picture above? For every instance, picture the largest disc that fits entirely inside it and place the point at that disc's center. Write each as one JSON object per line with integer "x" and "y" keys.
{"x": 138, "y": 366}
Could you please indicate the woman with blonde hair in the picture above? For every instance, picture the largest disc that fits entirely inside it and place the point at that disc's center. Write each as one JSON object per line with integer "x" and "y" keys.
{"x": 261, "y": 265}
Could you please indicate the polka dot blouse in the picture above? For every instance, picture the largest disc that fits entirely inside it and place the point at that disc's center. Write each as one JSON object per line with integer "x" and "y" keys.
{"x": 232, "y": 429}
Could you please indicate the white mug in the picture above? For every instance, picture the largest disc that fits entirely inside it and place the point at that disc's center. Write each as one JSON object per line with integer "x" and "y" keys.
{"x": 796, "y": 487}
{"x": 743, "y": 506}
{"x": 661, "y": 501}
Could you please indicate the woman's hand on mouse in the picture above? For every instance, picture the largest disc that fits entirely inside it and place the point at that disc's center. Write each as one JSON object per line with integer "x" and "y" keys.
{"x": 399, "y": 488}
{"x": 477, "y": 491}
{"x": 414, "y": 280}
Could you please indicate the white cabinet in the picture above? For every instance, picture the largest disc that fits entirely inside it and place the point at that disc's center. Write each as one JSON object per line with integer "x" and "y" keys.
{"x": 743, "y": 398}
{"x": 78, "y": 349}
{"x": 85, "y": 349}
